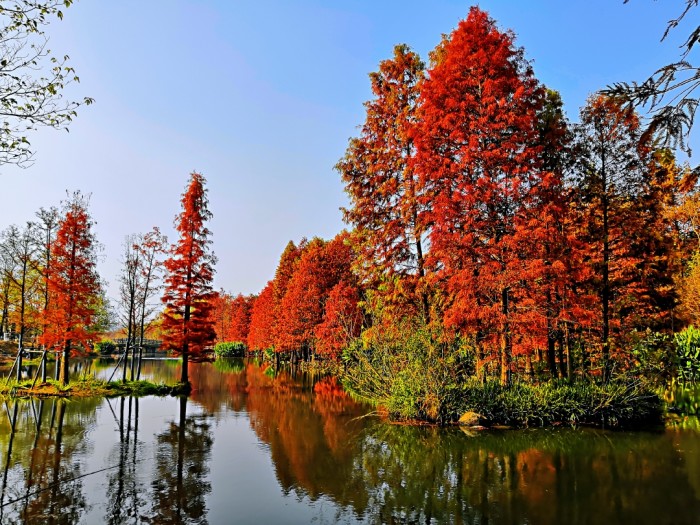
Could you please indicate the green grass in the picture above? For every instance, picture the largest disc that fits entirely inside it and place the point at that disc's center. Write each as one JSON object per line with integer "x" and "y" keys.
{"x": 91, "y": 387}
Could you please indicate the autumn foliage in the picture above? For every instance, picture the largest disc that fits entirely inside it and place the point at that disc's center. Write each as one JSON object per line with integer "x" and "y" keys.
{"x": 231, "y": 317}
{"x": 73, "y": 284}
{"x": 515, "y": 243}
{"x": 299, "y": 312}
{"x": 386, "y": 195}
{"x": 188, "y": 326}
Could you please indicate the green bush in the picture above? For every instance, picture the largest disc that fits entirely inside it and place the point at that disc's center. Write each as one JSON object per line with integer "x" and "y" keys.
{"x": 684, "y": 399}
{"x": 417, "y": 376}
{"x": 654, "y": 357}
{"x": 688, "y": 353}
{"x": 105, "y": 347}
{"x": 230, "y": 349}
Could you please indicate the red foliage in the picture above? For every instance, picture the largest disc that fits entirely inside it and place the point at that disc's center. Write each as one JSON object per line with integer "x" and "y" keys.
{"x": 321, "y": 266}
{"x": 73, "y": 283}
{"x": 187, "y": 323}
{"x": 385, "y": 193}
{"x": 232, "y": 316}
{"x": 627, "y": 236}
{"x": 262, "y": 319}
{"x": 342, "y": 320}
{"x": 479, "y": 157}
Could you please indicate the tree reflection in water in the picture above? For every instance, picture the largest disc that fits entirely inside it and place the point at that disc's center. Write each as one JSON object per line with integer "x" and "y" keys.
{"x": 388, "y": 473}
{"x": 140, "y": 465}
{"x": 181, "y": 483}
{"x": 40, "y": 482}
{"x": 126, "y": 493}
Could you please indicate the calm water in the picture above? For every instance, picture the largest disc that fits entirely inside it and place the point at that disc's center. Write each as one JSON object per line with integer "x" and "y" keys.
{"x": 249, "y": 447}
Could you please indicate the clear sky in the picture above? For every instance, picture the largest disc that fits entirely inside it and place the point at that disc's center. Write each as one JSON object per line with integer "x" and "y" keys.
{"x": 261, "y": 97}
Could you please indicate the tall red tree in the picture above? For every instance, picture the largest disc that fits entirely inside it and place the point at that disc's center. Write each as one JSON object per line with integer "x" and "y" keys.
{"x": 621, "y": 220}
{"x": 283, "y": 275}
{"x": 241, "y": 306}
{"x": 478, "y": 155}
{"x": 385, "y": 194}
{"x": 262, "y": 318}
{"x": 555, "y": 297}
{"x": 188, "y": 327}
{"x": 73, "y": 284}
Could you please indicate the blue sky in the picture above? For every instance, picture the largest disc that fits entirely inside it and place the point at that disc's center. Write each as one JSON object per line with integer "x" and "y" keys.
{"x": 262, "y": 96}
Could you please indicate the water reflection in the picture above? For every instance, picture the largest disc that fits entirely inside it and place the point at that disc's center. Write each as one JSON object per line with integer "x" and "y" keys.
{"x": 254, "y": 445}
{"x": 180, "y": 489}
{"x": 125, "y": 490}
{"x": 40, "y": 482}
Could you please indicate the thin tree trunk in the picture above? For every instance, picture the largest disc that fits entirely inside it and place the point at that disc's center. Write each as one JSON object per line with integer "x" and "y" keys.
{"x": 605, "y": 292}
{"x": 506, "y": 342}
{"x": 560, "y": 345}
{"x": 64, "y": 375}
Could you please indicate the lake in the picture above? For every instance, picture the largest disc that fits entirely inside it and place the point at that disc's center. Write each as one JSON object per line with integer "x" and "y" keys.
{"x": 252, "y": 446}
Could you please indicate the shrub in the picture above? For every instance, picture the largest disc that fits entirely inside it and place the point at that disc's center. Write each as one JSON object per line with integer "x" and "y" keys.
{"x": 416, "y": 375}
{"x": 230, "y": 349}
{"x": 105, "y": 347}
{"x": 654, "y": 357}
{"x": 616, "y": 404}
{"x": 688, "y": 353}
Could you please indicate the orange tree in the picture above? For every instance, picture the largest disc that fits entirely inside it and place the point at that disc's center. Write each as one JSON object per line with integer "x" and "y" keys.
{"x": 188, "y": 326}
{"x": 628, "y": 239}
{"x": 321, "y": 267}
{"x": 262, "y": 317}
{"x": 73, "y": 283}
{"x": 479, "y": 159}
{"x": 386, "y": 205}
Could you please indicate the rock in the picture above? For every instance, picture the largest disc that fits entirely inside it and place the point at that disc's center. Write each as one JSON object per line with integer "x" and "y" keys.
{"x": 471, "y": 419}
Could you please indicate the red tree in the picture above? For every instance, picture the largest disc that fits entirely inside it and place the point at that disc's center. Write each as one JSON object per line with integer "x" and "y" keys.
{"x": 622, "y": 222}
{"x": 232, "y": 316}
{"x": 73, "y": 283}
{"x": 342, "y": 320}
{"x": 221, "y": 313}
{"x": 385, "y": 194}
{"x": 479, "y": 158}
{"x": 322, "y": 266}
{"x": 262, "y": 318}
{"x": 283, "y": 274}
{"x": 241, "y": 307}
{"x": 188, "y": 327}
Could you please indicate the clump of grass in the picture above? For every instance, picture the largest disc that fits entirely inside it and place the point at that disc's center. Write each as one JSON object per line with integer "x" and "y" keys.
{"x": 91, "y": 387}
{"x": 146, "y": 388}
{"x": 616, "y": 404}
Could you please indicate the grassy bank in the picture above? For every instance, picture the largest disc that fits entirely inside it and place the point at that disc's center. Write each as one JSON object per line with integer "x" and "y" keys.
{"x": 416, "y": 379}
{"x": 91, "y": 387}
{"x": 614, "y": 405}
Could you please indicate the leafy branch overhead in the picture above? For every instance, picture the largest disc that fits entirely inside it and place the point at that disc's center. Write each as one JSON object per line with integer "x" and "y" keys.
{"x": 32, "y": 78}
{"x": 669, "y": 93}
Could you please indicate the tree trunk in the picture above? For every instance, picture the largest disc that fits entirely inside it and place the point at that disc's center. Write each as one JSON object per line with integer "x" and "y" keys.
{"x": 506, "y": 343}
{"x": 551, "y": 353}
{"x": 605, "y": 292}
{"x": 64, "y": 375}
{"x": 560, "y": 345}
{"x": 184, "y": 377}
